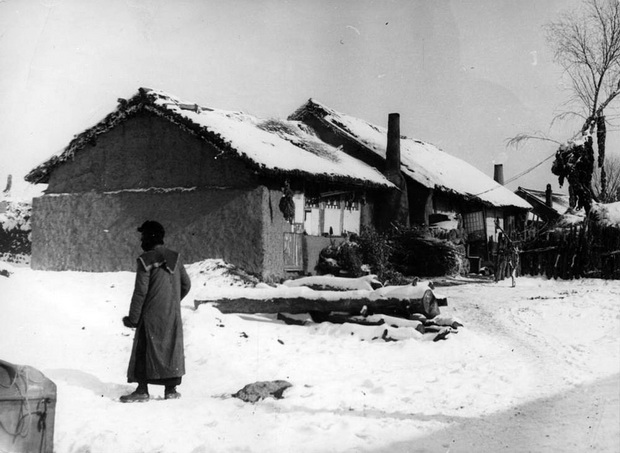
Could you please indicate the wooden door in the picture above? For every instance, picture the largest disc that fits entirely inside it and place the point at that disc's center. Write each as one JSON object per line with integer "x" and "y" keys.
{"x": 293, "y": 252}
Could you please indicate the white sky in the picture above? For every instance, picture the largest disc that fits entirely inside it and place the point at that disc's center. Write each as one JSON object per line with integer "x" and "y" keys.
{"x": 464, "y": 75}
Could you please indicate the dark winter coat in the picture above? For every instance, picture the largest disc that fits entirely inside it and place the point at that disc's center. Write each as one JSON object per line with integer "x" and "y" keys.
{"x": 161, "y": 283}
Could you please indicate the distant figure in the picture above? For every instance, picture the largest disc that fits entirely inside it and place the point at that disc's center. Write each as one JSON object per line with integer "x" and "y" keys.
{"x": 157, "y": 356}
{"x": 9, "y": 183}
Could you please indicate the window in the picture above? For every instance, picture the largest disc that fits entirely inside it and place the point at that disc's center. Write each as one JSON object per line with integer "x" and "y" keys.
{"x": 352, "y": 218}
{"x": 493, "y": 232}
{"x": 332, "y": 221}
{"x": 474, "y": 225}
{"x": 340, "y": 212}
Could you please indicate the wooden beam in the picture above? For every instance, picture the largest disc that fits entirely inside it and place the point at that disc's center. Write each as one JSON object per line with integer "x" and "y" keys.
{"x": 427, "y": 305}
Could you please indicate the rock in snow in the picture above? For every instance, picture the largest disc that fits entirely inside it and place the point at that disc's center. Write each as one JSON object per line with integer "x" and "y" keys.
{"x": 251, "y": 393}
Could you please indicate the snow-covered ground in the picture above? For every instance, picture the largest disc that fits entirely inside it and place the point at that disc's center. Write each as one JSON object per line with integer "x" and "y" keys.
{"x": 535, "y": 368}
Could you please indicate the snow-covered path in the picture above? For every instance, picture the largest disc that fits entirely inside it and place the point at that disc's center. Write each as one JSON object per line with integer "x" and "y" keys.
{"x": 523, "y": 368}
{"x": 586, "y": 418}
{"x": 567, "y": 334}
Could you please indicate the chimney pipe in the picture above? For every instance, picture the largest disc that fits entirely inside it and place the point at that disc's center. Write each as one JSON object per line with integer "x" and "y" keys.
{"x": 548, "y": 198}
{"x": 498, "y": 174}
{"x": 397, "y": 203}
{"x": 392, "y": 152}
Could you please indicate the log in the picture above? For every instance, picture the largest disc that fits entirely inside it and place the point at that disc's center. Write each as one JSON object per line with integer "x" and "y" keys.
{"x": 339, "y": 318}
{"x": 427, "y": 305}
{"x": 429, "y": 328}
{"x": 392, "y": 321}
{"x": 373, "y": 320}
{"x": 444, "y": 321}
{"x": 331, "y": 283}
{"x": 397, "y": 334}
{"x": 539, "y": 250}
{"x": 442, "y": 334}
{"x": 291, "y": 321}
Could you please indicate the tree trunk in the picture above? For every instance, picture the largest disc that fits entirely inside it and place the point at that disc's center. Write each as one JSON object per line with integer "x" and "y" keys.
{"x": 601, "y": 134}
{"x": 427, "y": 305}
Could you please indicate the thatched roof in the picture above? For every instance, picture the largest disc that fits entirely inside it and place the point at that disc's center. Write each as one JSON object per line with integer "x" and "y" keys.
{"x": 607, "y": 215}
{"x": 560, "y": 203}
{"x": 420, "y": 161}
{"x": 271, "y": 147}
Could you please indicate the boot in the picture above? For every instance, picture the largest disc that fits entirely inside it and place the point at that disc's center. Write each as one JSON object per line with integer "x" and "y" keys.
{"x": 140, "y": 395}
{"x": 171, "y": 393}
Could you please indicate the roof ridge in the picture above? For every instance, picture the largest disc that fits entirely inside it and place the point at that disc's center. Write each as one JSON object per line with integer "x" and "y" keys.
{"x": 219, "y": 131}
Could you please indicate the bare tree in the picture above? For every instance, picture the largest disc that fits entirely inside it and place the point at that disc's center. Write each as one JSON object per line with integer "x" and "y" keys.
{"x": 612, "y": 170}
{"x": 587, "y": 45}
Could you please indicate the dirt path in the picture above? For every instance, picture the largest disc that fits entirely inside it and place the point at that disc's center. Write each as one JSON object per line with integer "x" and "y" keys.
{"x": 562, "y": 346}
{"x": 586, "y": 418}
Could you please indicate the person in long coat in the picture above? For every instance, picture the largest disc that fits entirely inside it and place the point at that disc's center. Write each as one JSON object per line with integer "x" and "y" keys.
{"x": 157, "y": 356}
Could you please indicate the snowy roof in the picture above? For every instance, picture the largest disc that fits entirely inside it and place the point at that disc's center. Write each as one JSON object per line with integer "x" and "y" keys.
{"x": 607, "y": 214}
{"x": 421, "y": 161}
{"x": 270, "y": 146}
{"x": 559, "y": 202}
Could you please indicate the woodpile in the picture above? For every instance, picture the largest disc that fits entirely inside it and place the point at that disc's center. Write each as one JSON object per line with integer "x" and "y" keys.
{"x": 418, "y": 254}
{"x": 455, "y": 234}
{"x": 395, "y": 328}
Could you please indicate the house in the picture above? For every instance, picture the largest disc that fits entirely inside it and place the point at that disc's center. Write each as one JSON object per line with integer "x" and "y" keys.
{"x": 259, "y": 193}
{"x": 547, "y": 206}
{"x": 437, "y": 186}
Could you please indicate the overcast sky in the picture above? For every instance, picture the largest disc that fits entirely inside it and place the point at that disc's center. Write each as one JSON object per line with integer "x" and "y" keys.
{"x": 464, "y": 75}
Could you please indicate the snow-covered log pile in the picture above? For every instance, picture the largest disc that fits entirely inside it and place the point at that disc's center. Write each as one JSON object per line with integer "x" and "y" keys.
{"x": 333, "y": 283}
{"x": 417, "y": 252}
{"x": 394, "y": 312}
{"x": 452, "y": 230}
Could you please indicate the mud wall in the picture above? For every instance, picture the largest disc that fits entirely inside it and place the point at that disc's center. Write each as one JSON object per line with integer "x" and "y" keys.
{"x": 97, "y": 232}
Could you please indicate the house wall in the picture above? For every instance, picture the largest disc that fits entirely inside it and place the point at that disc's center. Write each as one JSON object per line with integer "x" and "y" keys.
{"x": 97, "y": 232}
{"x": 212, "y": 205}
{"x": 148, "y": 151}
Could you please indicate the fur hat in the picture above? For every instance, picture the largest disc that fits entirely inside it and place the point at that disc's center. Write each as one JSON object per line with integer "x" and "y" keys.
{"x": 153, "y": 230}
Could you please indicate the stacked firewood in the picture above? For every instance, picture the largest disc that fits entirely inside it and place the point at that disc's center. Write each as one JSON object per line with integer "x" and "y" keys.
{"x": 396, "y": 328}
{"x": 425, "y": 255}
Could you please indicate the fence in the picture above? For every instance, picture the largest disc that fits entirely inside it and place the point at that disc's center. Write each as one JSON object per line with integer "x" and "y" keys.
{"x": 584, "y": 250}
